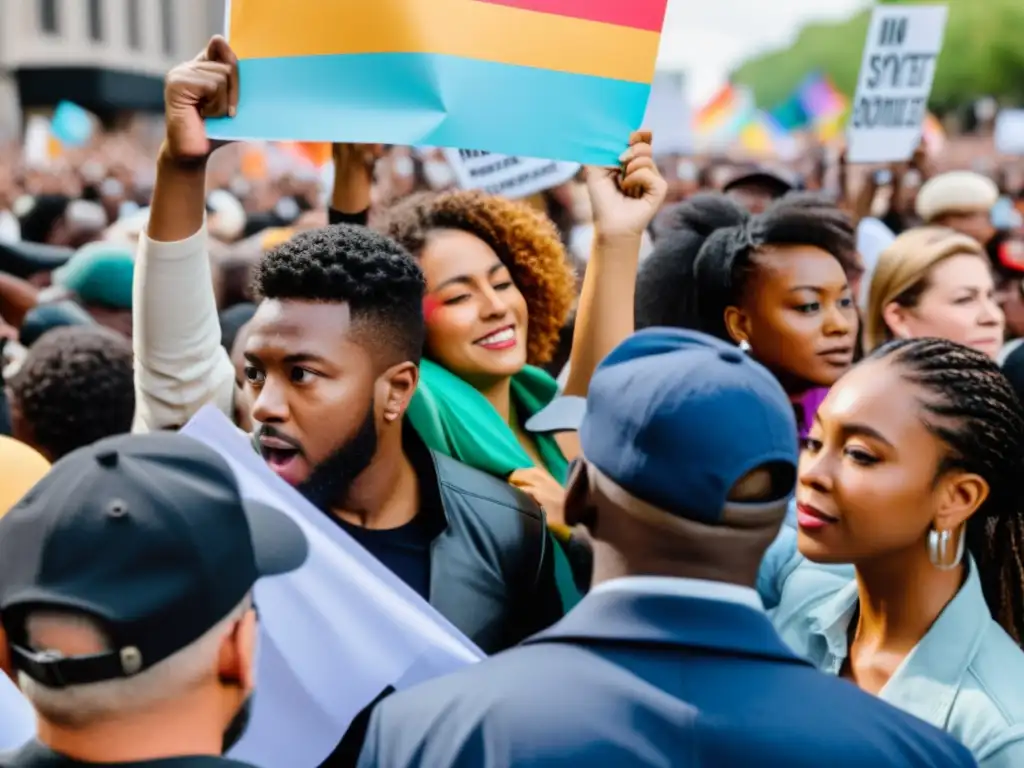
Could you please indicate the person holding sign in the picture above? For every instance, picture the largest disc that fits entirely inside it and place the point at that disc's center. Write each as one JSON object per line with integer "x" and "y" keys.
{"x": 895, "y": 82}
{"x": 498, "y": 294}
{"x": 471, "y": 544}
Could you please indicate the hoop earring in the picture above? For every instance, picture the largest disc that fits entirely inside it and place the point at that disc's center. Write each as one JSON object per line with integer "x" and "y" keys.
{"x": 939, "y": 549}
{"x": 744, "y": 346}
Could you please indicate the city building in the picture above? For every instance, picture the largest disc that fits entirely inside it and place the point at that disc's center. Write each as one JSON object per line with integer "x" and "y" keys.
{"x": 109, "y": 56}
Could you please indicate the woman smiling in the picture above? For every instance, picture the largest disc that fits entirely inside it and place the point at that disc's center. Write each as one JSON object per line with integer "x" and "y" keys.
{"x": 499, "y": 290}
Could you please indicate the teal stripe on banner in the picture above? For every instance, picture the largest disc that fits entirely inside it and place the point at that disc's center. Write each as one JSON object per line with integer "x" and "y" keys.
{"x": 435, "y": 100}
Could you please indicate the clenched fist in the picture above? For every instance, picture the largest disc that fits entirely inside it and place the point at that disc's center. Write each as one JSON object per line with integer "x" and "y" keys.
{"x": 205, "y": 87}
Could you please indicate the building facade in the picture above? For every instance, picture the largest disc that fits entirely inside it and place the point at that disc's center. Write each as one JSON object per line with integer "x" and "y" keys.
{"x": 109, "y": 56}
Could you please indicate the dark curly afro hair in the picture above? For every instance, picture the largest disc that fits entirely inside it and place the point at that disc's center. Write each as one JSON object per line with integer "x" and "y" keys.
{"x": 525, "y": 240}
{"x": 74, "y": 388}
{"x": 378, "y": 279}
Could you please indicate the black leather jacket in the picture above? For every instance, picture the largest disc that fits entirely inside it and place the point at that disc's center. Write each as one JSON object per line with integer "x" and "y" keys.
{"x": 492, "y": 563}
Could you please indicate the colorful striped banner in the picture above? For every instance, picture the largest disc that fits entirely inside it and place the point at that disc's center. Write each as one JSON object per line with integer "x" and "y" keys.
{"x": 726, "y": 114}
{"x": 564, "y": 79}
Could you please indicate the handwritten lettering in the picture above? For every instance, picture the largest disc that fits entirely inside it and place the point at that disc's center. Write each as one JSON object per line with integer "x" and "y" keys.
{"x": 892, "y": 70}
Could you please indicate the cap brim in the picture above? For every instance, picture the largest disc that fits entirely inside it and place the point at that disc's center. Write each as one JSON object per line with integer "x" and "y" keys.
{"x": 563, "y": 414}
{"x": 279, "y": 545}
{"x": 778, "y": 185}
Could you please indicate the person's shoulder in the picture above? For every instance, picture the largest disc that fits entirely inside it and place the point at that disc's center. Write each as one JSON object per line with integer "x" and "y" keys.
{"x": 879, "y": 733}
{"x": 487, "y": 494}
{"x": 536, "y": 696}
{"x": 988, "y": 714}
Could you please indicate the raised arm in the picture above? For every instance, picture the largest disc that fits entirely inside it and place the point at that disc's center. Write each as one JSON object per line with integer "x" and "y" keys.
{"x": 625, "y": 200}
{"x": 180, "y": 365}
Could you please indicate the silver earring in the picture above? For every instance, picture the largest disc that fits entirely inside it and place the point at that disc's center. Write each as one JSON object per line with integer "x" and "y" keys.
{"x": 939, "y": 549}
{"x": 744, "y": 346}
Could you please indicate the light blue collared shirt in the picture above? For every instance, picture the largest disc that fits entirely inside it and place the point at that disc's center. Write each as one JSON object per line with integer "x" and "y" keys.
{"x": 965, "y": 676}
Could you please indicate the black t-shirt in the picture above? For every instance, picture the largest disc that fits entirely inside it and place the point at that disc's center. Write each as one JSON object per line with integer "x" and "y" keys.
{"x": 405, "y": 550}
{"x": 36, "y": 755}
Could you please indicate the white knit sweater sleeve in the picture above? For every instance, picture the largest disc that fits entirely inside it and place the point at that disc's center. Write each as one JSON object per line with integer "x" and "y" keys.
{"x": 180, "y": 365}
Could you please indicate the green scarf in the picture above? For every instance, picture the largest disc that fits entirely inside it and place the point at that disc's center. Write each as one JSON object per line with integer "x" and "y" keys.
{"x": 455, "y": 419}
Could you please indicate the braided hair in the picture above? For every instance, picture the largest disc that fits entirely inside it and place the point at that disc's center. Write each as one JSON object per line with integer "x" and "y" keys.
{"x": 974, "y": 410}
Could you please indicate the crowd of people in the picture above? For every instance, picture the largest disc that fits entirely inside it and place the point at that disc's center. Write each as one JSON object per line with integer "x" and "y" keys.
{"x": 717, "y": 472}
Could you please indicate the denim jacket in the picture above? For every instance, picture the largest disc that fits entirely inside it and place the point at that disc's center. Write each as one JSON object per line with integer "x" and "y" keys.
{"x": 966, "y": 676}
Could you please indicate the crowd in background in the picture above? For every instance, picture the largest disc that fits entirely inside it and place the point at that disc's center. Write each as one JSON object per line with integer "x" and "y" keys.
{"x": 569, "y": 423}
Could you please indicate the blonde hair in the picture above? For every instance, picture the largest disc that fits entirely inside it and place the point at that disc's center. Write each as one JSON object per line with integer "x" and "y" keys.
{"x": 902, "y": 273}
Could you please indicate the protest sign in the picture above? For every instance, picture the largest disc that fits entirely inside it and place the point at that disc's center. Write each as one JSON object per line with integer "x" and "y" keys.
{"x": 17, "y": 718}
{"x": 668, "y": 115}
{"x": 895, "y": 81}
{"x": 532, "y": 78}
{"x": 1009, "y": 136}
{"x": 505, "y": 175}
{"x": 334, "y": 634}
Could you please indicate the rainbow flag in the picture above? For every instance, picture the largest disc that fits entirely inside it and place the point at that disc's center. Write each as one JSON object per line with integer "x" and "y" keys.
{"x": 763, "y": 135}
{"x": 563, "y": 79}
{"x": 724, "y": 116}
{"x": 824, "y": 104}
{"x": 933, "y": 134}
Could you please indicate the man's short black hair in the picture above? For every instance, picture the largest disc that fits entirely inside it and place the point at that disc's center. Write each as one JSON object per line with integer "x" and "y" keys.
{"x": 75, "y": 387}
{"x": 378, "y": 279}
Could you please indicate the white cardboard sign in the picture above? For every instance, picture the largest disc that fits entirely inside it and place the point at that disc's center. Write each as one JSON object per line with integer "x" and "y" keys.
{"x": 512, "y": 177}
{"x": 1009, "y": 136}
{"x": 895, "y": 81}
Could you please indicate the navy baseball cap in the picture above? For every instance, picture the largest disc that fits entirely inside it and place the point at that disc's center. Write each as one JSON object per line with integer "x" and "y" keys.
{"x": 676, "y": 418}
{"x": 147, "y": 534}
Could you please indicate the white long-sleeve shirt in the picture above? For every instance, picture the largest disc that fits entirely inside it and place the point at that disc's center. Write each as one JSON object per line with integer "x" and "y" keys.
{"x": 180, "y": 365}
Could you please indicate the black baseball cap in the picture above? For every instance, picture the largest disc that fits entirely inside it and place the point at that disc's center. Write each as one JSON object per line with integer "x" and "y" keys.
{"x": 776, "y": 182}
{"x": 147, "y": 534}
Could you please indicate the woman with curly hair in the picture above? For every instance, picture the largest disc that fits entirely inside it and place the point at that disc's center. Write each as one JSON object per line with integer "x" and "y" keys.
{"x": 499, "y": 291}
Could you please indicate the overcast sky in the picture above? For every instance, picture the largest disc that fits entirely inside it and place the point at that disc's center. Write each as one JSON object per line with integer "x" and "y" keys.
{"x": 707, "y": 39}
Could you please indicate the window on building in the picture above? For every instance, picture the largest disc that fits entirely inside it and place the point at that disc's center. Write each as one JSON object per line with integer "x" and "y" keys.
{"x": 167, "y": 23}
{"x": 96, "y": 20}
{"x": 133, "y": 21}
{"x": 49, "y": 21}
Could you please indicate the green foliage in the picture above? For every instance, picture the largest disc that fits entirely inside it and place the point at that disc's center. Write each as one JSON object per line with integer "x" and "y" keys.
{"x": 983, "y": 54}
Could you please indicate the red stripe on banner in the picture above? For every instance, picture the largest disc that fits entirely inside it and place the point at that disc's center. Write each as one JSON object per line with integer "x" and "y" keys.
{"x": 636, "y": 14}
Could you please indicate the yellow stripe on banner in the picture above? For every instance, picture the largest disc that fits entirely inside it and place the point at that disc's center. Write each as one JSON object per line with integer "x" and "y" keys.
{"x": 263, "y": 29}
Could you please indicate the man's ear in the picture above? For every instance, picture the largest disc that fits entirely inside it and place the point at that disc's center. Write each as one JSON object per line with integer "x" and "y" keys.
{"x": 236, "y": 662}
{"x": 395, "y": 389}
{"x": 578, "y": 507}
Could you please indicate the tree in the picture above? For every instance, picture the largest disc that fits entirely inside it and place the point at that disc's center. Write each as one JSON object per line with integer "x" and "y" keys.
{"x": 982, "y": 55}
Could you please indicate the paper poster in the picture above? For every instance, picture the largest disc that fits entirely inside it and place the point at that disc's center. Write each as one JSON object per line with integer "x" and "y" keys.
{"x": 334, "y": 634}
{"x": 37, "y": 146}
{"x": 511, "y": 177}
{"x": 1009, "y": 136}
{"x": 558, "y": 79}
{"x": 669, "y": 116}
{"x": 895, "y": 82}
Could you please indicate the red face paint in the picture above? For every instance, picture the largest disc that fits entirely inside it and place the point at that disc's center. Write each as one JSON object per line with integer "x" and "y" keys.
{"x": 430, "y": 306}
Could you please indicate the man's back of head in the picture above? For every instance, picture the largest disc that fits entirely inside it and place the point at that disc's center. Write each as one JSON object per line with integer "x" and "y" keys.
{"x": 75, "y": 387}
{"x": 689, "y": 457}
{"x": 126, "y": 613}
